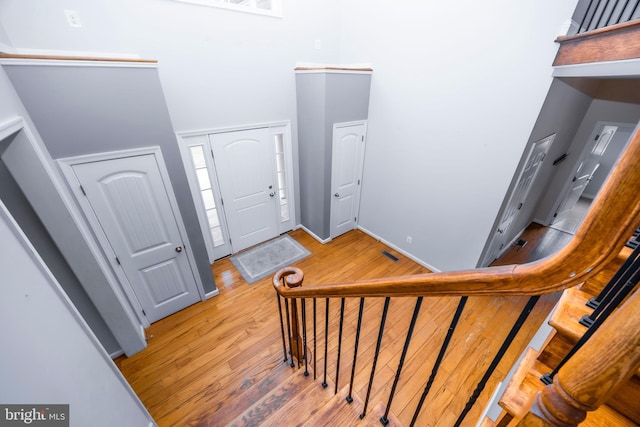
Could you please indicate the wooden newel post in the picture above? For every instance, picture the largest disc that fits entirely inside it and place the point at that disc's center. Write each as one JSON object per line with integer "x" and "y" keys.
{"x": 592, "y": 375}
{"x": 292, "y": 277}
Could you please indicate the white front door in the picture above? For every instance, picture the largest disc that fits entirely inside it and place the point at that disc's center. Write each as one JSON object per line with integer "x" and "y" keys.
{"x": 585, "y": 171}
{"x": 346, "y": 176}
{"x": 244, "y": 163}
{"x": 131, "y": 203}
{"x": 535, "y": 157}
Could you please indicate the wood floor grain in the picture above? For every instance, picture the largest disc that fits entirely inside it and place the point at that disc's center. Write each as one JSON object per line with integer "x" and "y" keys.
{"x": 220, "y": 362}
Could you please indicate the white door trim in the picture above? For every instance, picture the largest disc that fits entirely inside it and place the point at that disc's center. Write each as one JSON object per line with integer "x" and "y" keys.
{"x": 185, "y": 139}
{"x": 337, "y": 126}
{"x": 66, "y": 166}
{"x": 129, "y": 331}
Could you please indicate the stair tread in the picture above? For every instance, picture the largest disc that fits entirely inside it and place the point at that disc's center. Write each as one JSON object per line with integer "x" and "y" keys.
{"x": 523, "y": 385}
{"x": 570, "y": 309}
{"x": 607, "y": 416}
{"x": 270, "y": 403}
{"x": 303, "y": 406}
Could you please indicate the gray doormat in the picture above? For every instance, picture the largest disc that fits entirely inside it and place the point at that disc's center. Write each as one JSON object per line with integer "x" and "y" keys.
{"x": 267, "y": 258}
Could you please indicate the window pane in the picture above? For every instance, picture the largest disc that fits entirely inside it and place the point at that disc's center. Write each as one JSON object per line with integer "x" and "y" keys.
{"x": 203, "y": 179}
{"x": 279, "y": 143}
{"x": 197, "y": 154}
{"x": 207, "y": 198}
{"x": 212, "y": 216}
{"x": 280, "y": 162}
{"x": 216, "y": 234}
{"x": 284, "y": 212}
{"x": 264, "y": 4}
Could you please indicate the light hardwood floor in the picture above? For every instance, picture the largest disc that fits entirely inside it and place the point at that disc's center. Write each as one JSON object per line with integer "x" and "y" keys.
{"x": 220, "y": 362}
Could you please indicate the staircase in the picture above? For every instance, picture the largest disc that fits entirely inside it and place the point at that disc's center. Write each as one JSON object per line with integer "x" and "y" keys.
{"x": 621, "y": 409}
{"x": 599, "y": 378}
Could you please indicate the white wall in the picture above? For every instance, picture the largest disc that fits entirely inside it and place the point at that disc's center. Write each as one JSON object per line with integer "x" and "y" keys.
{"x": 456, "y": 90}
{"x": 48, "y": 355}
{"x": 217, "y": 67}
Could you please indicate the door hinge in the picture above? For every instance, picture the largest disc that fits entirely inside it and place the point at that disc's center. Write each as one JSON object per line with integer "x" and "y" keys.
{"x": 358, "y": 182}
{"x": 82, "y": 189}
{"x": 143, "y": 312}
{"x": 212, "y": 156}
{"x": 118, "y": 261}
{"x": 221, "y": 201}
{"x": 574, "y": 179}
{"x": 555, "y": 214}
{"x": 597, "y": 137}
{"x": 519, "y": 206}
{"x": 362, "y": 138}
{"x": 355, "y": 218}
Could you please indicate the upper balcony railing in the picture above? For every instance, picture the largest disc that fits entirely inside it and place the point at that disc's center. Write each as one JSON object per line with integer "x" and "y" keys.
{"x": 604, "y": 13}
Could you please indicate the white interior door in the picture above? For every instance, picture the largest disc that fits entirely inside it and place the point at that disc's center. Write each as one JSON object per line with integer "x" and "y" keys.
{"x": 346, "y": 176}
{"x": 585, "y": 171}
{"x": 130, "y": 201}
{"x": 518, "y": 197}
{"x": 244, "y": 162}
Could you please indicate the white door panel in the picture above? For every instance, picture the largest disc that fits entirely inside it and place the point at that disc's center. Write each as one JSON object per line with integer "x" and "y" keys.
{"x": 585, "y": 171}
{"x": 244, "y": 162}
{"x": 518, "y": 197}
{"x": 130, "y": 201}
{"x": 346, "y": 176}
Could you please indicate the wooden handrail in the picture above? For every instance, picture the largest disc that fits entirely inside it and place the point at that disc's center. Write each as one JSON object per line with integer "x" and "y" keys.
{"x": 592, "y": 375}
{"x": 614, "y": 215}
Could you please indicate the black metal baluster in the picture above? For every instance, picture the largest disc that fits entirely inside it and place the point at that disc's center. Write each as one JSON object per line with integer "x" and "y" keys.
{"x": 304, "y": 337}
{"x": 613, "y": 9}
{"x": 608, "y": 291}
{"x": 593, "y": 15}
{"x": 626, "y": 289}
{"x": 286, "y": 307}
{"x": 384, "y": 419}
{"x": 438, "y": 362}
{"x": 326, "y": 342}
{"x": 355, "y": 350}
{"x": 604, "y": 9}
{"x": 297, "y": 337}
{"x": 284, "y": 345}
{"x": 633, "y": 12}
{"x": 314, "y": 340}
{"x": 339, "y": 344}
{"x": 626, "y": 3}
{"x": 494, "y": 363}
{"x": 375, "y": 357}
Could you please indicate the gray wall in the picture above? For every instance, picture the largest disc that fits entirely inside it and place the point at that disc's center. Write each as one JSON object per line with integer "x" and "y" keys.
{"x": 84, "y": 110}
{"x": 25, "y": 216}
{"x": 324, "y": 99}
{"x": 599, "y": 110}
{"x": 48, "y": 354}
{"x": 70, "y": 243}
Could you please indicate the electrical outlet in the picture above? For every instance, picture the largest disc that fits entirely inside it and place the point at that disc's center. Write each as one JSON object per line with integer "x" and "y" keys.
{"x": 409, "y": 239}
{"x": 73, "y": 18}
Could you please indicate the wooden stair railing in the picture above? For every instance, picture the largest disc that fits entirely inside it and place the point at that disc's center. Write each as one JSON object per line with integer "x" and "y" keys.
{"x": 612, "y": 355}
{"x": 614, "y": 216}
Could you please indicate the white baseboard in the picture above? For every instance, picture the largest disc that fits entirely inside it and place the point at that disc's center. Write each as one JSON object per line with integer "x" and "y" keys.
{"x": 540, "y": 221}
{"x": 310, "y": 233}
{"x": 402, "y": 251}
{"x": 213, "y": 293}
{"x": 116, "y": 354}
{"x": 6, "y": 48}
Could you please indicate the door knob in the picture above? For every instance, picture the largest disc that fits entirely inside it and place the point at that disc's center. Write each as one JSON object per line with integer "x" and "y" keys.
{"x": 179, "y": 249}
{"x": 336, "y": 195}
{"x": 272, "y": 194}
